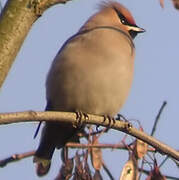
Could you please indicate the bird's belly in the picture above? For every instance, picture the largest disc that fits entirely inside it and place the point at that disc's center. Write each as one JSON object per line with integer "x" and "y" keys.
{"x": 99, "y": 90}
{"x": 104, "y": 99}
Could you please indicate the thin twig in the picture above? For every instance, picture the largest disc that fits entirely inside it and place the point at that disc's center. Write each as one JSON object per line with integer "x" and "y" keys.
{"x": 158, "y": 117}
{"x": 162, "y": 3}
{"x": 103, "y": 146}
{"x": 84, "y": 134}
{"x": 16, "y": 157}
{"x": 161, "y": 164}
{"x": 176, "y": 163}
{"x": 1, "y": 7}
{"x": 108, "y": 172}
{"x": 142, "y": 165}
{"x": 147, "y": 172}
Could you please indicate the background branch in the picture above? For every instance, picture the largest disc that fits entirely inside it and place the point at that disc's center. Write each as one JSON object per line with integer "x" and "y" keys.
{"x": 16, "y": 21}
{"x": 16, "y": 157}
{"x": 20, "y": 156}
{"x": 158, "y": 117}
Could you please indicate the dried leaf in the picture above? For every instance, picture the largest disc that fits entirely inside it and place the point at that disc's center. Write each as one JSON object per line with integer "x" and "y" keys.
{"x": 82, "y": 170}
{"x": 162, "y": 3}
{"x": 65, "y": 172}
{"x": 87, "y": 172}
{"x": 97, "y": 175}
{"x": 155, "y": 174}
{"x": 130, "y": 169}
{"x": 78, "y": 168}
{"x": 176, "y": 4}
{"x": 96, "y": 155}
{"x": 140, "y": 148}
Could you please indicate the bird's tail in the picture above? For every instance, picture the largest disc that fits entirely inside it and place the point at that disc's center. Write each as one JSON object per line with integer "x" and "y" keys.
{"x": 42, "y": 165}
{"x": 45, "y": 151}
{"x": 54, "y": 135}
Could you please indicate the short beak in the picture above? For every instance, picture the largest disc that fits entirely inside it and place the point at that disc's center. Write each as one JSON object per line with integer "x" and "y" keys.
{"x": 137, "y": 29}
{"x": 141, "y": 30}
{"x": 134, "y": 30}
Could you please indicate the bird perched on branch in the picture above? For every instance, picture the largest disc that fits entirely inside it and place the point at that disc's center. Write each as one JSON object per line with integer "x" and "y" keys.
{"x": 91, "y": 73}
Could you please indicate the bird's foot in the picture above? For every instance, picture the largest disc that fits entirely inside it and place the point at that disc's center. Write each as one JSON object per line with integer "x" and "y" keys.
{"x": 120, "y": 117}
{"x": 80, "y": 117}
{"x": 111, "y": 121}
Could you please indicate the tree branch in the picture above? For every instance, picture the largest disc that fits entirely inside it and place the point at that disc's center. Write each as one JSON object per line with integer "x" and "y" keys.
{"x": 20, "y": 156}
{"x": 15, "y": 22}
{"x": 29, "y": 116}
{"x": 158, "y": 117}
{"x": 16, "y": 157}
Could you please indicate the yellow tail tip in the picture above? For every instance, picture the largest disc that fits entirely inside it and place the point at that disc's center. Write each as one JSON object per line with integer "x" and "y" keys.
{"x": 42, "y": 165}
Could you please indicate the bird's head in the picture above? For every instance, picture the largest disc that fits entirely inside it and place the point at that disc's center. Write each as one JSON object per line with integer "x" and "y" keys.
{"x": 116, "y": 15}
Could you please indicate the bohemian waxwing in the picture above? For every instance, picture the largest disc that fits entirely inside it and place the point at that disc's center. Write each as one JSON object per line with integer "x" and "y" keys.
{"x": 91, "y": 73}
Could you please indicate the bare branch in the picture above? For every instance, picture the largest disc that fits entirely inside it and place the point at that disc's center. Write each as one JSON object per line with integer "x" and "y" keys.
{"x": 29, "y": 116}
{"x": 16, "y": 157}
{"x": 104, "y": 146}
{"x": 108, "y": 172}
{"x": 15, "y": 22}
{"x": 158, "y": 117}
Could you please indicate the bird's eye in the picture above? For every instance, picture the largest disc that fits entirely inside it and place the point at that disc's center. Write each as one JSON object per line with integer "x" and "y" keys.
{"x": 121, "y": 17}
{"x": 123, "y": 21}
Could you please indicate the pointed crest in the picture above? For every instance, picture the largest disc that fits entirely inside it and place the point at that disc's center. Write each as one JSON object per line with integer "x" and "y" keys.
{"x": 118, "y": 7}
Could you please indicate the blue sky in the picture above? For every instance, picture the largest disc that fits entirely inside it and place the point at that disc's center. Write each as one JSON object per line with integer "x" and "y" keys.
{"x": 155, "y": 80}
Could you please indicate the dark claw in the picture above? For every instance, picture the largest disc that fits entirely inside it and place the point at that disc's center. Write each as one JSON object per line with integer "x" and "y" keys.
{"x": 86, "y": 116}
{"x": 97, "y": 128}
{"x": 120, "y": 117}
{"x": 114, "y": 120}
{"x": 105, "y": 117}
{"x": 79, "y": 118}
{"x": 110, "y": 119}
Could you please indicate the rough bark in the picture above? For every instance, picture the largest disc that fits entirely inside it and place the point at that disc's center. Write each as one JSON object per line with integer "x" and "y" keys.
{"x": 15, "y": 22}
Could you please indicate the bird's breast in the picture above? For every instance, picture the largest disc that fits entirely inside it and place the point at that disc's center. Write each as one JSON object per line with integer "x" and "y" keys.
{"x": 93, "y": 73}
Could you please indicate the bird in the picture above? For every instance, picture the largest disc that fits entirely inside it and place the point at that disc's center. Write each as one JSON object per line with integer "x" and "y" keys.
{"x": 91, "y": 73}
